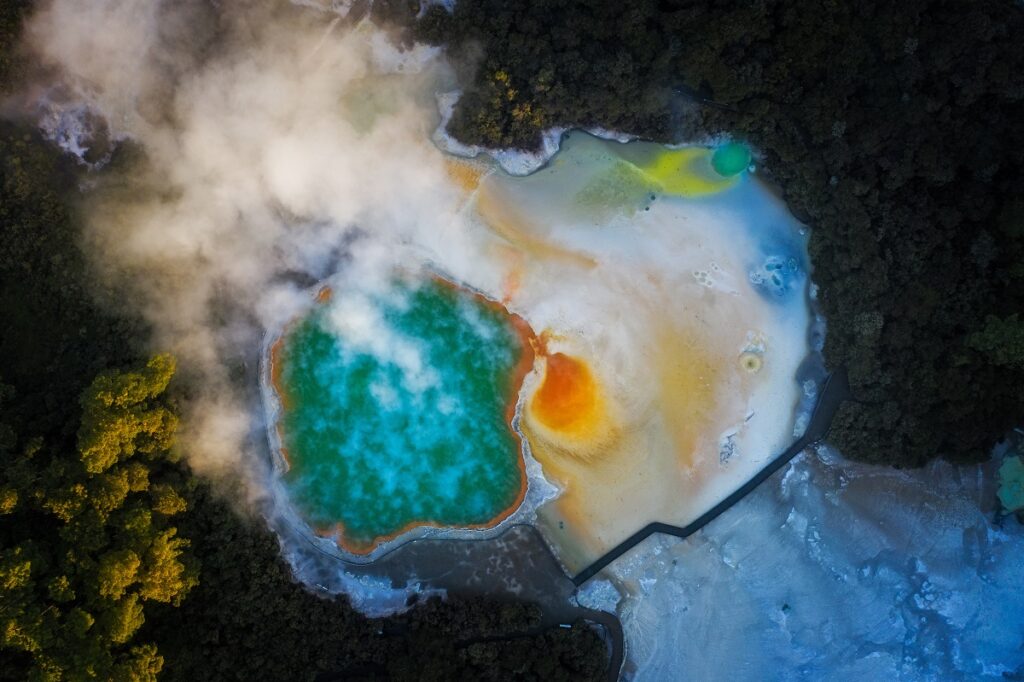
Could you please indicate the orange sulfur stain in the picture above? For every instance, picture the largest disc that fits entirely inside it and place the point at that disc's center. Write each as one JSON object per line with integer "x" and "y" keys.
{"x": 511, "y": 224}
{"x": 465, "y": 174}
{"x": 604, "y": 452}
{"x": 691, "y": 371}
{"x": 510, "y": 286}
{"x": 567, "y": 399}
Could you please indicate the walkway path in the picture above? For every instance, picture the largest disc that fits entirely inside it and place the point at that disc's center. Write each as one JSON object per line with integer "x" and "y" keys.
{"x": 835, "y": 391}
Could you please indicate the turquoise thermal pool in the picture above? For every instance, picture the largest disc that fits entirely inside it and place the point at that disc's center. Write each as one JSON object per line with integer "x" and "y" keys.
{"x": 397, "y": 410}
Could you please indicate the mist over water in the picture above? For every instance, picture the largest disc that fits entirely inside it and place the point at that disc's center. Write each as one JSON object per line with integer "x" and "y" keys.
{"x": 404, "y": 425}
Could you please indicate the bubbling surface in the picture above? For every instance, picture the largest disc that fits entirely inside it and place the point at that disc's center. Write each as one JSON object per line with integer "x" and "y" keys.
{"x": 396, "y": 412}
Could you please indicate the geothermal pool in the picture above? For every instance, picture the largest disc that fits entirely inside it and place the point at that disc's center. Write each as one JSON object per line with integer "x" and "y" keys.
{"x": 632, "y": 318}
{"x": 397, "y": 412}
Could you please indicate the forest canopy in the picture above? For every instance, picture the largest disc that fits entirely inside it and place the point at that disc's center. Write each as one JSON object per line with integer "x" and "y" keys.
{"x": 88, "y": 540}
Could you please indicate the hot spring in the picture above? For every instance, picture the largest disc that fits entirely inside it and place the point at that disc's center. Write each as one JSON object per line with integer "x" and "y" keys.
{"x": 397, "y": 411}
{"x": 631, "y": 317}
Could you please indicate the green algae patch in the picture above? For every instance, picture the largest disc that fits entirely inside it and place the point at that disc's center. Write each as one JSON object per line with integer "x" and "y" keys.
{"x": 621, "y": 187}
{"x": 685, "y": 172}
{"x": 396, "y": 412}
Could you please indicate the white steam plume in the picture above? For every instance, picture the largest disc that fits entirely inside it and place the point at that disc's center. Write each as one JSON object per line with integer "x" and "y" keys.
{"x": 274, "y": 145}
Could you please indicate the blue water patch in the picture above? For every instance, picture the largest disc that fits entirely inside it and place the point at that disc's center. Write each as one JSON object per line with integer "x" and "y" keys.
{"x": 777, "y": 265}
{"x": 777, "y": 277}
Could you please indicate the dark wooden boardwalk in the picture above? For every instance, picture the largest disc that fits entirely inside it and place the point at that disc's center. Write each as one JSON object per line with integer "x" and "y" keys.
{"x": 833, "y": 393}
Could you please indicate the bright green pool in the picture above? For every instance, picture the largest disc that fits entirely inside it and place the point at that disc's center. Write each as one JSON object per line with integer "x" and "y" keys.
{"x": 396, "y": 411}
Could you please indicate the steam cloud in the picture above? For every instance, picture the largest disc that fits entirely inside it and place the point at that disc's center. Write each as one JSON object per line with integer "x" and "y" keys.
{"x": 278, "y": 145}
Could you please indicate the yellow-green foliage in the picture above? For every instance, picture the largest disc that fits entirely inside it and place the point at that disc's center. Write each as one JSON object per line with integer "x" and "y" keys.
{"x": 120, "y": 418}
{"x": 89, "y": 543}
{"x": 166, "y": 500}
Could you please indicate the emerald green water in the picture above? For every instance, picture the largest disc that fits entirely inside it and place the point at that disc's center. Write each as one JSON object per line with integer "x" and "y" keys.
{"x": 394, "y": 412}
{"x": 731, "y": 159}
